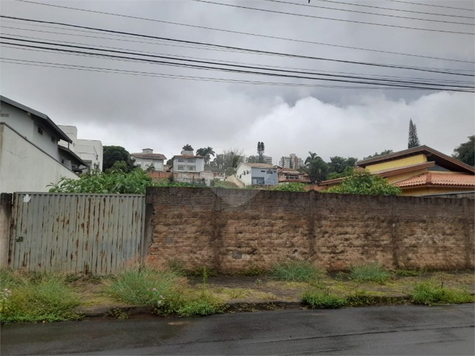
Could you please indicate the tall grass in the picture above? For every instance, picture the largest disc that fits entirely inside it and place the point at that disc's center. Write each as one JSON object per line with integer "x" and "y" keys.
{"x": 297, "y": 271}
{"x": 372, "y": 272}
{"x": 164, "y": 290}
{"x": 430, "y": 292}
{"x": 322, "y": 299}
{"x": 33, "y": 297}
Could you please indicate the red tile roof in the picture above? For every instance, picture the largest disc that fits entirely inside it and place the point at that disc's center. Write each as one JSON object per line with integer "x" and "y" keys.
{"x": 466, "y": 180}
{"x": 149, "y": 155}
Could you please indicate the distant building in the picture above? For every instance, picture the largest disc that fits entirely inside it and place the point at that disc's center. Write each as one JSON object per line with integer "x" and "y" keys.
{"x": 187, "y": 162}
{"x": 90, "y": 151}
{"x": 147, "y": 160}
{"x": 290, "y": 175}
{"x": 292, "y": 161}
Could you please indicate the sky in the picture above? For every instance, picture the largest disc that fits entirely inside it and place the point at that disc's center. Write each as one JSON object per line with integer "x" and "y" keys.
{"x": 144, "y": 102}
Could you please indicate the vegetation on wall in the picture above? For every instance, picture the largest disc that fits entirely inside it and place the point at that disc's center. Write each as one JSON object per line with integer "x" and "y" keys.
{"x": 363, "y": 182}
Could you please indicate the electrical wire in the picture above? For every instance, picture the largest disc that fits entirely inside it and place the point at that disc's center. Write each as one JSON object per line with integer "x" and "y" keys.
{"x": 368, "y": 13}
{"x": 241, "y": 48}
{"x": 243, "y": 33}
{"x": 432, "y": 5}
{"x": 332, "y": 18}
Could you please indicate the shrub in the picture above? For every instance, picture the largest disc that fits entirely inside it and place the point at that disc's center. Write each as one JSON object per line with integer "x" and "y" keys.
{"x": 363, "y": 182}
{"x": 36, "y": 297}
{"x": 373, "y": 272}
{"x": 297, "y": 271}
{"x": 429, "y": 293}
{"x": 322, "y": 299}
{"x": 290, "y": 187}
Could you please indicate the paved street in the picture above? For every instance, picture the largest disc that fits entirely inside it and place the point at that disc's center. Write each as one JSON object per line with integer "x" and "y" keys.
{"x": 399, "y": 330}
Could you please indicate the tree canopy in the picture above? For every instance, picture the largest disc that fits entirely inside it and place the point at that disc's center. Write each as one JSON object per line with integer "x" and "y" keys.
{"x": 316, "y": 168}
{"x": 365, "y": 183}
{"x": 206, "y": 152}
{"x": 376, "y": 154}
{"x": 465, "y": 151}
{"x": 187, "y": 147}
{"x": 117, "y": 158}
{"x": 413, "y": 140}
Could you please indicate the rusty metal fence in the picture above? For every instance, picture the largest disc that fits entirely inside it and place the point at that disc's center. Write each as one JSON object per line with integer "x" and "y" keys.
{"x": 89, "y": 233}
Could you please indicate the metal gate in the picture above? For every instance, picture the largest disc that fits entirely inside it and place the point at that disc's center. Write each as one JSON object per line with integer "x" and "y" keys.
{"x": 89, "y": 233}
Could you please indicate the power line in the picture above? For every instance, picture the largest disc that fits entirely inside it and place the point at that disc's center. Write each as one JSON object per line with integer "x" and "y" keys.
{"x": 368, "y": 13}
{"x": 391, "y": 9}
{"x": 441, "y": 6}
{"x": 176, "y": 76}
{"x": 430, "y": 70}
{"x": 217, "y": 61}
{"x": 245, "y": 70}
{"x": 232, "y": 65}
{"x": 245, "y": 33}
{"x": 332, "y": 18}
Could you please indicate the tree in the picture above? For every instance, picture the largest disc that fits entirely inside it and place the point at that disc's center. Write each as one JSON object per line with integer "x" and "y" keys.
{"x": 260, "y": 151}
{"x": 316, "y": 168}
{"x": 340, "y": 166}
{"x": 206, "y": 152}
{"x": 187, "y": 147}
{"x": 413, "y": 139}
{"x": 376, "y": 154}
{"x": 113, "y": 154}
{"x": 465, "y": 152}
{"x": 231, "y": 160}
{"x": 363, "y": 182}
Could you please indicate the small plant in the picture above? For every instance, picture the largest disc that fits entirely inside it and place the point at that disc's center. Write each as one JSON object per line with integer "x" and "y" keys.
{"x": 322, "y": 299}
{"x": 432, "y": 293}
{"x": 297, "y": 271}
{"x": 373, "y": 272}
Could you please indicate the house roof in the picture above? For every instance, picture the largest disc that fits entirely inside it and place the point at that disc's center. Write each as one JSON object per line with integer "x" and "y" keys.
{"x": 441, "y": 179}
{"x": 186, "y": 156}
{"x": 149, "y": 155}
{"x": 439, "y": 158}
{"x": 44, "y": 119}
{"x": 74, "y": 157}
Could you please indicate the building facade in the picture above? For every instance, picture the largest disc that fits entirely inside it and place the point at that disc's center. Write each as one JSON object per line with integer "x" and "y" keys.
{"x": 148, "y": 160}
{"x": 257, "y": 174}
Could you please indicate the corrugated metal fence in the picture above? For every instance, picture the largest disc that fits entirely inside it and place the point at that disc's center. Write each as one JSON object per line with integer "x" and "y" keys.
{"x": 88, "y": 233}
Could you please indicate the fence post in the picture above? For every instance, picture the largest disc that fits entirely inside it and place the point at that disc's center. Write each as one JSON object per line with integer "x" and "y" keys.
{"x": 5, "y": 222}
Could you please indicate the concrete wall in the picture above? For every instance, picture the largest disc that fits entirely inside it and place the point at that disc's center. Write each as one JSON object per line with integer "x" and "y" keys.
{"x": 232, "y": 230}
{"x": 24, "y": 166}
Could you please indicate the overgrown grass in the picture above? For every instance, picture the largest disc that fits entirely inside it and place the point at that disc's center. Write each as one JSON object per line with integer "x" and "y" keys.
{"x": 34, "y": 297}
{"x": 372, "y": 272}
{"x": 164, "y": 290}
{"x": 430, "y": 292}
{"x": 322, "y": 299}
{"x": 297, "y": 271}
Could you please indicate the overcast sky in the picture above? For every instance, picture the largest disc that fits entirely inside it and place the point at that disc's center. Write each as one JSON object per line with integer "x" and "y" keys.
{"x": 143, "y": 104}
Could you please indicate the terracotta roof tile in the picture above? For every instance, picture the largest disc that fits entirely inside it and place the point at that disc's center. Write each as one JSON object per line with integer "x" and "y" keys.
{"x": 438, "y": 179}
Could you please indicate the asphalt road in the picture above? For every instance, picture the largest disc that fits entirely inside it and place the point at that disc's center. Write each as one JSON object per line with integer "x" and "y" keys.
{"x": 398, "y": 330}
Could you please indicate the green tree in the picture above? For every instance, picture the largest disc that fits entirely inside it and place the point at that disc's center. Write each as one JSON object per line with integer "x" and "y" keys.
{"x": 316, "y": 168}
{"x": 231, "y": 160}
{"x": 113, "y": 154}
{"x": 365, "y": 183}
{"x": 413, "y": 140}
{"x": 465, "y": 152}
{"x": 376, "y": 154}
{"x": 187, "y": 147}
{"x": 206, "y": 152}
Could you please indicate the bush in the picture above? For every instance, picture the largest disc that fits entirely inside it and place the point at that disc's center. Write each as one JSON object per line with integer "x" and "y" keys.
{"x": 36, "y": 297}
{"x": 373, "y": 272}
{"x": 290, "y": 187}
{"x": 322, "y": 299}
{"x": 297, "y": 271}
{"x": 429, "y": 293}
{"x": 363, "y": 182}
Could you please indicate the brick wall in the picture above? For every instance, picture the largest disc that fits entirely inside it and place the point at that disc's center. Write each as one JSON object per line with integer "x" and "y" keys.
{"x": 232, "y": 230}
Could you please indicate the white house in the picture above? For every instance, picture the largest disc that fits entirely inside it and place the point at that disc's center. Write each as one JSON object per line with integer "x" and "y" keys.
{"x": 187, "y": 162}
{"x": 30, "y": 158}
{"x": 257, "y": 174}
{"x": 90, "y": 151}
{"x": 148, "y": 159}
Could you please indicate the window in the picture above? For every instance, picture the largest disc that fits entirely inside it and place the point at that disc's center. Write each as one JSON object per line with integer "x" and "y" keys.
{"x": 191, "y": 160}
{"x": 40, "y": 130}
{"x": 181, "y": 167}
{"x": 52, "y": 138}
{"x": 191, "y": 168}
{"x": 181, "y": 160}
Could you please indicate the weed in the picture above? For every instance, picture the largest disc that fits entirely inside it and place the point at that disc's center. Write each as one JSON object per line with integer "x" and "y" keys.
{"x": 184, "y": 302}
{"x": 430, "y": 292}
{"x": 373, "y": 272}
{"x": 36, "y": 297}
{"x": 298, "y": 271}
{"x": 322, "y": 299}
{"x": 118, "y": 313}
